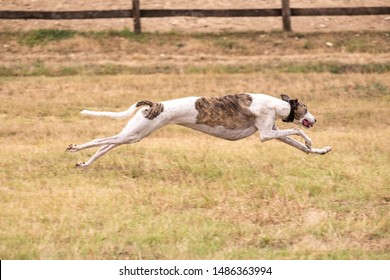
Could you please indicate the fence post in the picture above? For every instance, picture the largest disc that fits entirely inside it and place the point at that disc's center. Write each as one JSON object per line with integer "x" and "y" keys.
{"x": 286, "y": 15}
{"x": 136, "y": 17}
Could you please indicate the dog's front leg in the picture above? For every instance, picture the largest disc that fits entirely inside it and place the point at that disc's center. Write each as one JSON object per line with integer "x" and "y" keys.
{"x": 303, "y": 148}
{"x": 276, "y": 134}
{"x": 268, "y": 131}
{"x": 295, "y": 144}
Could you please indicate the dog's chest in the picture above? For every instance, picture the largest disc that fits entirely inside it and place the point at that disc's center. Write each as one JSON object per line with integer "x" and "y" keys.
{"x": 230, "y": 111}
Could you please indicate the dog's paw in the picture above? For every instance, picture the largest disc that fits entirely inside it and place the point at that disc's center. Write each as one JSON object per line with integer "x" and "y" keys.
{"x": 326, "y": 150}
{"x": 81, "y": 164}
{"x": 322, "y": 151}
{"x": 71, "y": 148}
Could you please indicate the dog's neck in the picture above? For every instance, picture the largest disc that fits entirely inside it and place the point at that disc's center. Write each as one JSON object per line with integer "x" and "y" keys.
{"x": 290, "y": 117}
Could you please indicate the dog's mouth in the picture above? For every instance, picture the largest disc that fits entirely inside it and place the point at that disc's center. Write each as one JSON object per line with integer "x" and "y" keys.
{"x": 306, "y": 123}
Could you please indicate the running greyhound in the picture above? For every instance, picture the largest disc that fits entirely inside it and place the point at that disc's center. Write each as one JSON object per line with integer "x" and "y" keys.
{"x": 230, "y": 117}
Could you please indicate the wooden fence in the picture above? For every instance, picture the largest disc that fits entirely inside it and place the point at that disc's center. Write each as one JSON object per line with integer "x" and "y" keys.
{"x": 137, "y": 13}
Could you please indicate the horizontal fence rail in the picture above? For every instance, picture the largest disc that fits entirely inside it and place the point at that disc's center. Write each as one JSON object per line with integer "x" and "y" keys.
{"x": 212, "y": 13}
{"x": 66, "y": 14}
{"x": 356, "y": 11}
{"x": 137, "y": 13}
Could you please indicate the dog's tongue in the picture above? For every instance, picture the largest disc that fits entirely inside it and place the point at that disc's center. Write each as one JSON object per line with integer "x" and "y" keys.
{"x": 306, "y": 123}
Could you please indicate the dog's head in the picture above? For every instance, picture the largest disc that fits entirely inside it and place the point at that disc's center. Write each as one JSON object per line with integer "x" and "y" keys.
{"x": 298, "y": 113}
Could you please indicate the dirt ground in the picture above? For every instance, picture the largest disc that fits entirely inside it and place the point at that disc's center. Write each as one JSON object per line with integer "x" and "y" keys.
{"x": 189, "y": 24}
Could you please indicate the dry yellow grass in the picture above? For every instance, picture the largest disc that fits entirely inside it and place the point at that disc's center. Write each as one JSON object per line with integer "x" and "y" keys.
{"x": 180, "y": 194}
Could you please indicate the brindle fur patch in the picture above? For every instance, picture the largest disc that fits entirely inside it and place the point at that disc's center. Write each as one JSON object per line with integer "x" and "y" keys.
{"x": 230, "y": 111}
{"x": 300, "y": 111}
{"x": 154, "y": 109}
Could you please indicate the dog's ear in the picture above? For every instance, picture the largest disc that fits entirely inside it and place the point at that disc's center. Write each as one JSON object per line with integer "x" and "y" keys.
{"x": 285, "y": 97}
{"x": 294, "y": 101}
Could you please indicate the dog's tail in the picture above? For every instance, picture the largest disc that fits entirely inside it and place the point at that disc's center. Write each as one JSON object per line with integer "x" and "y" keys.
{"x": 115, "y": 115}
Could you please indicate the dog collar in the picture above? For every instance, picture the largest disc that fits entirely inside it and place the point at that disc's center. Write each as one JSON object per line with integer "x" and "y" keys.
{"x": 290, "y": 117}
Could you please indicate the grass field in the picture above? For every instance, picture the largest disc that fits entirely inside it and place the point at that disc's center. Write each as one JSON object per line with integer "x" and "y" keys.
{"x": 180, "y": 194}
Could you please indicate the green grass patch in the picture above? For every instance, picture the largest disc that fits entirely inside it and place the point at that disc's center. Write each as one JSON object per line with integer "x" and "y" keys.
{"x": 124, "y": 33}
{"x": 245, "y": 42}
{"x": 44, "y": 36}
{"x": 39, "y": 68}
{"x": 334, "y": 68}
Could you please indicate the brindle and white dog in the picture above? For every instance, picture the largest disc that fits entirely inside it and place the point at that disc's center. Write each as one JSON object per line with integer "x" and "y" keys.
{"x": 230, "y": 117}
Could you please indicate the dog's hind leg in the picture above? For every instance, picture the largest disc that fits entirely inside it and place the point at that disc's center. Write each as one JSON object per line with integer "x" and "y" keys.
{"x": 117, "y": 139}
{"x": 102, "y": 151}
{"x": 136, "y": 129}
{"x": 108, "y": 144}
{"x": 93, "y": 143}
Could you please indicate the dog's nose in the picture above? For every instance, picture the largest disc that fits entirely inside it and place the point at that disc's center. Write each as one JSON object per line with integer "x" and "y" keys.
{"x": 315, "y": 120}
